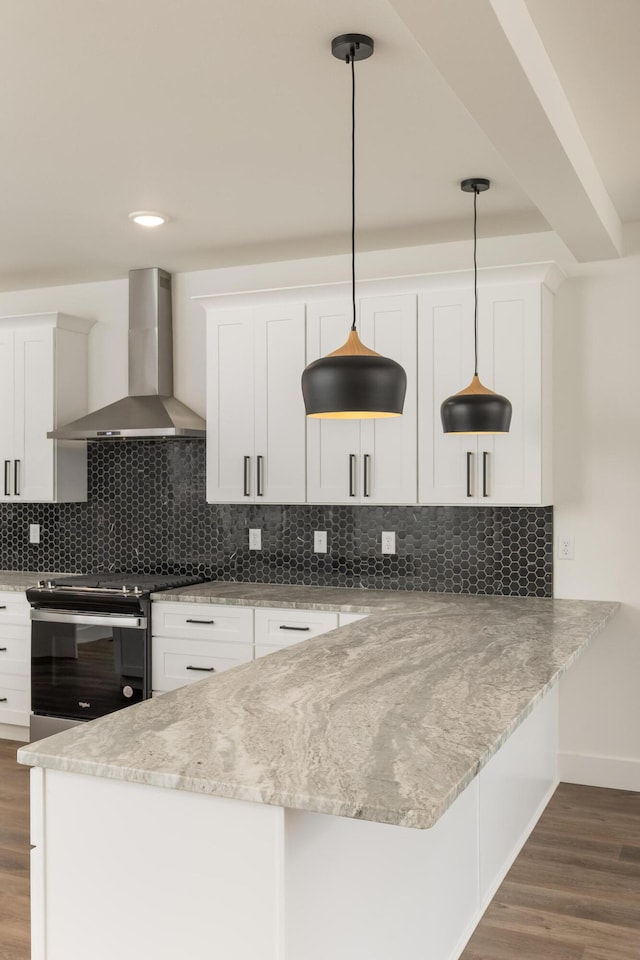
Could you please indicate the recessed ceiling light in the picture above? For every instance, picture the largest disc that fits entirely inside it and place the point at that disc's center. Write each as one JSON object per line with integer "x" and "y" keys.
{"x": 145, "y": 218}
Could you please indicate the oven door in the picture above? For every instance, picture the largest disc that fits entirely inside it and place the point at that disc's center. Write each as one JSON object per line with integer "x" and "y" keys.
{"x": 84, "y": 666}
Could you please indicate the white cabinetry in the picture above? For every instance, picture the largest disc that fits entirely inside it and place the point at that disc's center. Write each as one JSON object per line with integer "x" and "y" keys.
{"x": 193, "y": 640}
{"x": 278, "y": 628}
{"x": 514, "y": 323}
{"x": 43, "y": 377}
{"x": 15, "y": 661}
{"x": 365, "y": 461}
{"x": 255, "y": 411}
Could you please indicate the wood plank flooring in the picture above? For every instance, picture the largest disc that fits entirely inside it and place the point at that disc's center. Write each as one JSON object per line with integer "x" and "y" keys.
{"x": 572, "y": 894}
{"x": 574, "y": 891}
{"x": 14, "y": 855}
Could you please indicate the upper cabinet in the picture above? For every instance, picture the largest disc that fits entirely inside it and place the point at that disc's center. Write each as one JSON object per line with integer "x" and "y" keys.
{"x": 514, "y": 345}
{"x": 365, "y": 461}
{"x": 43, "y": 384}
{"x": 255, "y": 412}
{"x": 260, "y": 446}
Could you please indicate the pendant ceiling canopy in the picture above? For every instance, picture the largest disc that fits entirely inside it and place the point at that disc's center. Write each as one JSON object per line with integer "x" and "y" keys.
{"x": 476, "y": 409}
{"x": 353, "y": 382}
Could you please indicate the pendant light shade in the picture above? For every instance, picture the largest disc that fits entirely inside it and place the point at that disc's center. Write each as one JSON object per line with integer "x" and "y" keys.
{"x": 476, "y": 409}
{"x": 353, "y": 382}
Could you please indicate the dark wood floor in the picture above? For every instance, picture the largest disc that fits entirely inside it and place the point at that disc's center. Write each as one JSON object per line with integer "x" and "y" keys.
{"x": 574, "y": 891}
{"x": 14, "y": 855}
{"x": 572, "y": 894}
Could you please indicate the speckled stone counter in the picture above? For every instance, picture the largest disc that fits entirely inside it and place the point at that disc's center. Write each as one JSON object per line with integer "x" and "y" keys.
{"x": 19, "y": 580}
{"x": 387, "y": 719}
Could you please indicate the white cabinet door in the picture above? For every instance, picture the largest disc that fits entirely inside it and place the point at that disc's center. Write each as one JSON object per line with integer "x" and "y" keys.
{"x": 513, "y": 359}
{"x": 43, "y": 375}
{"x": 511, "y": 342}
{"x": 334, "y": 467}
{"x": 255, "y": 413}
{"x": 34, "y": 454}
{"x": 337, "y": 471}
{"x": 391, "y": 445}
{"x": 230, "y": 406}
{"x": 445, "y": 362}
{"x": 280, "y": 425}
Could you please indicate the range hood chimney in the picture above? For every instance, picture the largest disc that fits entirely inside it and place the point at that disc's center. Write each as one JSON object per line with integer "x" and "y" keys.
{"x": 150, "y": 410}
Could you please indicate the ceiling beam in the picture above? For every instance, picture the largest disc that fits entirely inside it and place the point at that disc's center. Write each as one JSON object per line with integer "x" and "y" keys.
{"x": 491, "y": 55}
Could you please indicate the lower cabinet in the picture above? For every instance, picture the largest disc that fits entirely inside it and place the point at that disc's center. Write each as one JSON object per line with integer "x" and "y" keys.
{"x": 278, "y": 628}
{"x": 193, "y": 640}
{"x": 15, "y": 662}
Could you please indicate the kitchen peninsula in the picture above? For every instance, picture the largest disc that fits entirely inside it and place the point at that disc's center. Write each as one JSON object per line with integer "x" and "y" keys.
{"x": 269, "y": 813}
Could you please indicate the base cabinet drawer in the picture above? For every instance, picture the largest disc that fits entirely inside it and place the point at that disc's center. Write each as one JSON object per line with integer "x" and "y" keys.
{"x": 14, "y": 648}
{"x": 283, "y": 627}
{"x": 206, "y": 620}
{"x": 176, "y": 662}
{"x": 15, "y": 699}
{"x": 14, "y": 608}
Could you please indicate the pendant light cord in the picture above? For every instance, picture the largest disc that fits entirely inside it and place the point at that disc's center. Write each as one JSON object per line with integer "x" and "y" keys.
{"x": 353, "y": 186}
{"x": 475, "y": 278}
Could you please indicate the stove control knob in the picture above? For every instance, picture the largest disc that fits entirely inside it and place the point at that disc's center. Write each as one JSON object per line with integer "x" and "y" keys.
{"x": 127, "y": 691}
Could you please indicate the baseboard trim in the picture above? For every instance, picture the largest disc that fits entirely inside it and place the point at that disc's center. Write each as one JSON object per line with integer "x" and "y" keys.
{"x": 617, "y": 773}
{"x": 10, "y": 731}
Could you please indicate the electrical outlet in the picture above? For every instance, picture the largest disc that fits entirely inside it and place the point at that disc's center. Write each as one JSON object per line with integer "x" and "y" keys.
{"x": 320, "y": 541}
{"x": 255, "y": 539}
{"x": 388, "y": 541}
{"x": 565, "y": 548}
{"x": 34, "y": 533}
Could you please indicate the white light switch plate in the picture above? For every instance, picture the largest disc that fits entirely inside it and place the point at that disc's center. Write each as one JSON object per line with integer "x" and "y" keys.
{"x": 255, "y": 539}
{"x": 320, "y": 541}
{"x": 34, "y": 533}
{"x": 388, "y": 541}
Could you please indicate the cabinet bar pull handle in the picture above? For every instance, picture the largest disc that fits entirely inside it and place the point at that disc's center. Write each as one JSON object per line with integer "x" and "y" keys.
{"x": 260, "y": 491}
{"x": 203, "y": 669}
{"x": 3, "y": 649}
{"x": 4, "y": 607}
{"x": 301, "y": 629}
{"x": 247, "y": 466}
{"x": 16, "y": 476}
{"x": 485, "y": 474}
{"x": 367, "y": 475}
{"x": 3, "y": 699}
{"x": 352, "y": 474}
{"x": 6, "y": 478}
{"x": 200, "y": 621}
{"x": 469, "y": 467}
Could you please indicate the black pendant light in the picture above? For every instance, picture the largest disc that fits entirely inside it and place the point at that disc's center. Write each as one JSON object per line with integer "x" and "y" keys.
{"x": 353, "y": 382}
{"x": 476, "y": 409}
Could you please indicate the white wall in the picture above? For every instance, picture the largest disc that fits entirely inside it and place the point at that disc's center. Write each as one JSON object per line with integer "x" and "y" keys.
{"x": 597, "y": 501}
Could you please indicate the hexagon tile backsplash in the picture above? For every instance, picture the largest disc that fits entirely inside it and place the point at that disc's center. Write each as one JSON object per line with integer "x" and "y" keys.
{"x": 147, "y": 513}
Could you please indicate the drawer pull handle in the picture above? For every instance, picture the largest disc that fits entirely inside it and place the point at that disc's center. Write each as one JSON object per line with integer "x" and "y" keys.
{"x": 301, "y": 629}
{"x": 260, "y": 476}
{"x": 247, "y": 469}
{"x": 3, "y": 699}
{"x": 200, "y": 621}
{"x": 3, "y": 608}
{"x": 3, "y": 649}
{"x": 485, "y": 473}
{"x": 203, "y": 669}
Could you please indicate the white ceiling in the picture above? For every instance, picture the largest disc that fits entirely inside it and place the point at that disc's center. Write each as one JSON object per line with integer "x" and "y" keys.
{"x": 233, "y": 119}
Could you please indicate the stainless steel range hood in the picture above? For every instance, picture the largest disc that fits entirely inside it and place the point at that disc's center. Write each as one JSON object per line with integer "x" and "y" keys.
{"x": 150, "y": 410}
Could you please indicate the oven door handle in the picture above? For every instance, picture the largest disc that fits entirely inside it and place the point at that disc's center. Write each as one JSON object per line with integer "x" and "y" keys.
{"x": 90, "y": 619}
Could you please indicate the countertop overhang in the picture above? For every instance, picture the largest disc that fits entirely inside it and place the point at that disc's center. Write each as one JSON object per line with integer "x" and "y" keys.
{"x": 387, "y": 719}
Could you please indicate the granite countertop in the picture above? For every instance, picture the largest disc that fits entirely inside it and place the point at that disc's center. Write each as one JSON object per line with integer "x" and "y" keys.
{"x": 18, "y": 580}
{"x": 387, "y": 719}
